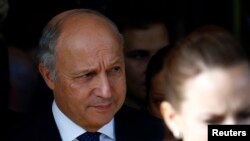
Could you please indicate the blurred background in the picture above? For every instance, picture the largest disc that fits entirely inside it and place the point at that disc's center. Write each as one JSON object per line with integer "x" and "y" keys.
{"x": 26, "y": 18}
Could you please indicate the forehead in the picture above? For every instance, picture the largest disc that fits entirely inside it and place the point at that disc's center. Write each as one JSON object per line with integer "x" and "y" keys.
{"x": 219, "y": 87}
{"x": 154, "y": 37}
{"x": 84, "y": 40}
{"x": 88, "y": 31}
{"x": 80, "y": 57}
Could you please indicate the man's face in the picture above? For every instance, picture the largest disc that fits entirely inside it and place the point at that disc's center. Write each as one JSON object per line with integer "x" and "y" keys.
{"x": 140, "y": 46}
{"x": 90, "y": 87}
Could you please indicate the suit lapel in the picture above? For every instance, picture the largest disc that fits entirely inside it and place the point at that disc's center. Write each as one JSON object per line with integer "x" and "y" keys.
{"x": 49, "y": 128}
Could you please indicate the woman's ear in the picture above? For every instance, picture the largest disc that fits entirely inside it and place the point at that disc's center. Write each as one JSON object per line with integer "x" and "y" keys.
{"x": 171, "y": 119}
{"x": 46, "y": 76}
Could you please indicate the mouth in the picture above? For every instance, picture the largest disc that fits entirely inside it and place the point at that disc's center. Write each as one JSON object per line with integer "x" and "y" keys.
{"x": 103, "y": 107}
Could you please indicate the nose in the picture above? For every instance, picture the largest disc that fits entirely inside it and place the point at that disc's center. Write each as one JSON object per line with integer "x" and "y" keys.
{"x": 145, "y": 65}
{"x": 105, "y": 87}
{"x": 230, "y": 121}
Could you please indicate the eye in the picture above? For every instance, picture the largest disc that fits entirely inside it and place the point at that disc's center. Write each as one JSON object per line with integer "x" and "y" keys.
{"x": 244, "y": 115}
{"x": 116, "y": 69}
{"x": 138, "y": 55}
{"x": 89, "y": 75}
{"x": 214, "y": 119}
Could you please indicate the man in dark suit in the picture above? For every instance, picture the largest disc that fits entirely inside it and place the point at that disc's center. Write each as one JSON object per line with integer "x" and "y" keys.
{"x": 81, "y": 61}
{"x": 127, "y": 125}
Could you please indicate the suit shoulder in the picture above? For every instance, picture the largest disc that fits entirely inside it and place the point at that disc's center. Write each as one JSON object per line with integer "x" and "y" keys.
{"x": 39, "y": 127}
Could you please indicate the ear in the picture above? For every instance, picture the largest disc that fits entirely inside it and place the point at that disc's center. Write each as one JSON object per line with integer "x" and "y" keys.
{"x": 46, "y": 76}
{"x": 171, "y": 118}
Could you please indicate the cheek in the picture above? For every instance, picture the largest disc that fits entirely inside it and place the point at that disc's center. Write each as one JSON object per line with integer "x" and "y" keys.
{"x": 76, "y": 93}
{"x": 191, "y": 118}
{"x": 81, "y": 92}
{"x": 131, "y": 66}
{"x": 77, "y": 103}
{"x": 135, "y": 72}
{"x": 194, "y": 132}
{"x": 193, "y": 128}
{"x": 119, "y": 87}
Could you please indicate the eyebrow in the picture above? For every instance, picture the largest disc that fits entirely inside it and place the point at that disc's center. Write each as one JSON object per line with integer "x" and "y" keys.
{"x": 114, "y": 61}
{"x": 81, "y": 72}
{"x": 136, "y": 52}
{"x": 245, "y": 108}
{"x": 208, "y": 114}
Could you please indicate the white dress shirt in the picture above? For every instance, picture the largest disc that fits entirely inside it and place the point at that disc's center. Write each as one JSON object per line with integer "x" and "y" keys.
{"x": 69, "y": 130}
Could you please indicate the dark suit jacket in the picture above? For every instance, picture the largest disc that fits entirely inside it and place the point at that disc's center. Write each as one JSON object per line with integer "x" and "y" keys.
{"x": 128, "y": 127}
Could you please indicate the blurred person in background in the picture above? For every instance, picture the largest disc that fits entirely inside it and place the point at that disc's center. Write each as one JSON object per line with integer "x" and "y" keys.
{"x": 155, "y": 86}
{"x": 143, "y": 37}
{"x": 208, "y": 82}
{"x": 145, "y": 28}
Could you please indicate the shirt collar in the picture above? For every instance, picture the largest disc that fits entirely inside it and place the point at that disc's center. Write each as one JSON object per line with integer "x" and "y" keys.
{"x": 108, "y": 129}
{"x": 70, "y": 130}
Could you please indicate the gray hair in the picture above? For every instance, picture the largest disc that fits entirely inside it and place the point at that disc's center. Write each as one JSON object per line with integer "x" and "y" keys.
{"x": 52, "y": 31}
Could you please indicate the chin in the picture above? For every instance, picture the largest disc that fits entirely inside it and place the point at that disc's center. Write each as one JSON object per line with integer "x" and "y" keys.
{"x": 104, "y": 119}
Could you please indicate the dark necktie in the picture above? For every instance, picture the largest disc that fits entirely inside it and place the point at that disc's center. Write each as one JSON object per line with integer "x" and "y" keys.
{"x": 89, "y": 136}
